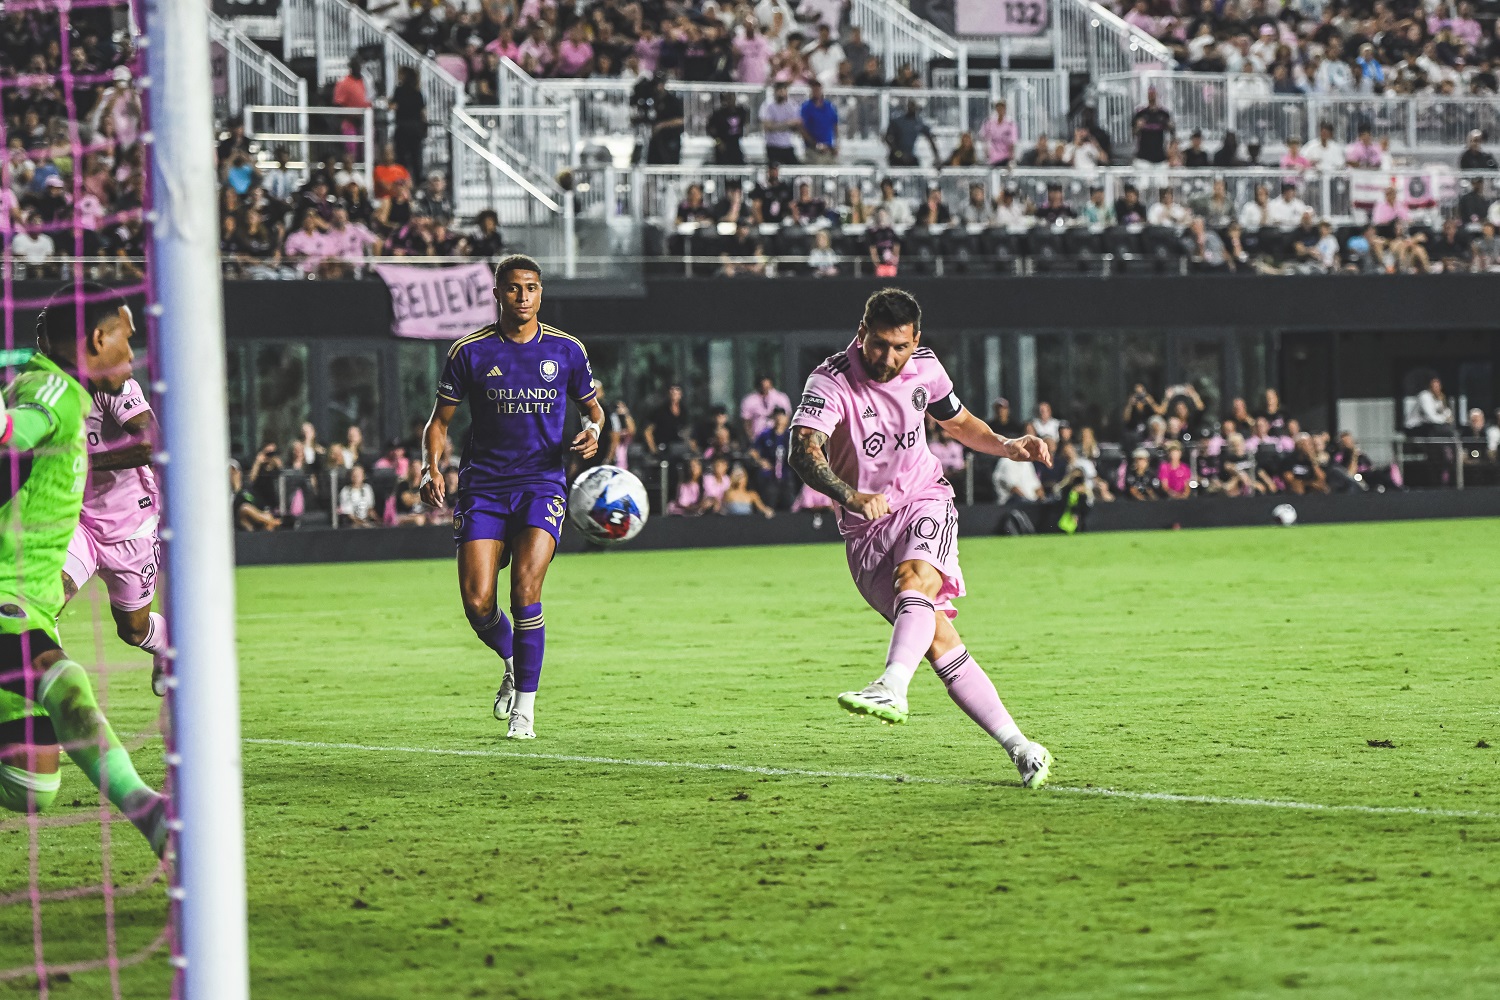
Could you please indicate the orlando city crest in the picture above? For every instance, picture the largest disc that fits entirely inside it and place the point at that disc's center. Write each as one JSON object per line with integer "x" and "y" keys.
{"x": 549, "y": 370}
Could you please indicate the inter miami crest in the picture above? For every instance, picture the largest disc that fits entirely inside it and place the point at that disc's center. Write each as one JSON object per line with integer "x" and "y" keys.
{"x": 549, "y": 370}
{"x": 919, "y": 397}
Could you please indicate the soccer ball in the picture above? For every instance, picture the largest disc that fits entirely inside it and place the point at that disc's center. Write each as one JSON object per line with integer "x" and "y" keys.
{"x": 608, "y": 505}
{"x": 1285, "y": 513}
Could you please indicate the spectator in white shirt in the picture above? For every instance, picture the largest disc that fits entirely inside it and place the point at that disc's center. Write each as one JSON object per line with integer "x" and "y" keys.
{"x": 1011, "y": 214}
{"x": 899, "y": 209}
{"x": 1167, "y": 212}
{"x": 1254, "y": 214}
{"x": 1045, "y": 425}
{"x": 1083, "y": 153}
{"x": 1016, "y": 481}
{"x": 1323, "y": 153}
{"x": 1433, "y": 415}
{"x": 1327, "y": 247}
{"x": 825, "y": 58}
{"x": 357, "y": 500}
{"x": 1286, "y": 212}
{"x": 32, "y": 247}
{"x": 1333, "y": 75}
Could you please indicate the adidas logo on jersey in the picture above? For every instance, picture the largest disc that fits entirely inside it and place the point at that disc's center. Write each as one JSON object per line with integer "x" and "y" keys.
{"x": 494, "y": 372}
{"x": 869, "y": 412}
{"x": 924, "y": 547}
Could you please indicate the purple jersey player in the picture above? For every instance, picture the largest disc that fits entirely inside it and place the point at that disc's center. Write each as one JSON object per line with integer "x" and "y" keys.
{"x": 517, "y": 377}
{"x": 858, "y": 436}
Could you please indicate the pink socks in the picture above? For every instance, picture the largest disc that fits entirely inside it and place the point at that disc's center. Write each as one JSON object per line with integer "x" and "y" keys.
{"x": 971, "y": 690}
{"x": 911, "y": 638}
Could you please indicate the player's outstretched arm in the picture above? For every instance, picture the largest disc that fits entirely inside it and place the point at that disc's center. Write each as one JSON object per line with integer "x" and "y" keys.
{"x": 24, "y": 427}
{"x": 974, "y": 434}
{"x": 810, "y": 458}
{"x": 434, "y": 442}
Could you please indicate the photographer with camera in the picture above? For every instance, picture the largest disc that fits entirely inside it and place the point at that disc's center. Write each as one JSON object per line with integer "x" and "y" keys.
{"x": 1139, "y": 408}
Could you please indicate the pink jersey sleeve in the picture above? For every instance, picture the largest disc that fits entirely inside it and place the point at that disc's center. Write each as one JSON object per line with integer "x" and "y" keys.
{"x": 126, "y": 406}
{"x": 822, "y": 404}
{"x": 942, "y": 401}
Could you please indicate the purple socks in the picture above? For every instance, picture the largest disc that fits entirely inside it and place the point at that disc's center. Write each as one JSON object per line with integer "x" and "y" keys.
{"x": 496, "y": 633}
{"x": 531, "y": 642}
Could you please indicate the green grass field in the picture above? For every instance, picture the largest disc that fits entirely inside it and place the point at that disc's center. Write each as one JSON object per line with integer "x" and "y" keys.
{"x": 1236, "y": 664}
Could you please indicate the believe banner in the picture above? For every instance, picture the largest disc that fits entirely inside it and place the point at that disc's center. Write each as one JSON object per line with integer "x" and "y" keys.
{"x": 439, "y": 303}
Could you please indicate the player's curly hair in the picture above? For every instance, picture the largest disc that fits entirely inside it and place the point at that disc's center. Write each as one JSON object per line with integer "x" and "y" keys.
{"x": 58, "y": 331}
{"x": 890, "y": 308}
{"x": 515, "y": 262}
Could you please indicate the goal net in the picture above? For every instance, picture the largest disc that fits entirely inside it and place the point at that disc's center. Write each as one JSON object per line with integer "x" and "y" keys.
{"x": 107, "y": 201}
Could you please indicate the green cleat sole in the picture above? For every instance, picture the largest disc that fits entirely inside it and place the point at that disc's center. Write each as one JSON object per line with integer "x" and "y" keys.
{"x": 860, "y": 706}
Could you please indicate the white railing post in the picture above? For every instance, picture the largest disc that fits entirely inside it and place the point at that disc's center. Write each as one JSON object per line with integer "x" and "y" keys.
{"x": 570, "y": 235}
{"x": 888, "y": 43}
{"x": 369, "y": 171}
{"x": 302, "y": 120}
{"x": 319, "y": 61}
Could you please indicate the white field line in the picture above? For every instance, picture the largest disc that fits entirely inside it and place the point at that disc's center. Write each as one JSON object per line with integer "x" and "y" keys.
{"x": 1209, "y": 800}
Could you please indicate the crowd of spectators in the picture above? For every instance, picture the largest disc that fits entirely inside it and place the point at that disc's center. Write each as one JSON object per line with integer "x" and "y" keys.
{"x": 62, "y": 197}
{"x": 740, "y": 41}
{"x": 1329, "y": 48}
{"x": 343, "y": 483}
{"x": 734, "y": 463}
{"x": 787, "y": 220}
{"x": 324, "y": 223}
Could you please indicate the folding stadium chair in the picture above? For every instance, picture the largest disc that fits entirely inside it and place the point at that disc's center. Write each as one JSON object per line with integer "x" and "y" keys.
{"x": 1000, "y": 249}
{"x": 919, "y": 251}
{"x": 1044, "y": 249}
{"x": 1125, "y": 247}
{"x": 793, "y": 241}
{"x": 1085, "y": 248}
{"x": 959, "y": 249}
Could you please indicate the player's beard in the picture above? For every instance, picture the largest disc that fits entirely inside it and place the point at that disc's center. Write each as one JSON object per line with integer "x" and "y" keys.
{"x": 882, "y": 373}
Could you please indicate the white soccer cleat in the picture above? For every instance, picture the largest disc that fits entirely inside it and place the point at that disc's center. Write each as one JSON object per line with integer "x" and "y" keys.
{"x": 1035, "y": 764}
{"x": 878, "y": 700}
{"x": 505, "y": 698}
{"x": 159, "y": 664}
{"x": 520, "y": 727}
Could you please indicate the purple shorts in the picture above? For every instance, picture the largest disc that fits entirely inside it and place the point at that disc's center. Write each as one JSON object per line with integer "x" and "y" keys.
{"x": 500, "y": 516}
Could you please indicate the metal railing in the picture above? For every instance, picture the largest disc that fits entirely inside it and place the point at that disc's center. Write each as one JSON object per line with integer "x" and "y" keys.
{"x": 903, "y": 39}
{"x": 273, "y": 130}
{"x": 1089, "y": 38}
{"x": 252, "y": 76}
{"x": 1218, "y": 102}
{"x": 1038, "y": 101}
{"x": 490, "y": 174}
{"x": 654, "y": 192}
{"x": 333, "y": 31}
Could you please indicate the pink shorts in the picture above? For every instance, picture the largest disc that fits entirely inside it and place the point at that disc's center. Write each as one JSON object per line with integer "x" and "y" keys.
{"x": 127, "y": 568}
{"x": 923, "y": 529}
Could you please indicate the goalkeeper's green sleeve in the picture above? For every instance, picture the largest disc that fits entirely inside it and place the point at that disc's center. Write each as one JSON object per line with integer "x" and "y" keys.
{"x": 25, "y": 428}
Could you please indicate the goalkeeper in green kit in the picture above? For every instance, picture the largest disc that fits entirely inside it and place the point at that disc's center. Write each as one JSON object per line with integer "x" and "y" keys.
{"x": 46, "y": 702}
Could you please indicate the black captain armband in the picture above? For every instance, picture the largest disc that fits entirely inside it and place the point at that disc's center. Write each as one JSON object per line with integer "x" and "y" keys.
{"x": 945, "y": 407}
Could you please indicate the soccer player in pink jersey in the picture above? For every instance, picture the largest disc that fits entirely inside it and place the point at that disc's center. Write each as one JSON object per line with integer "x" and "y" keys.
{"x": 858, "y": 436}
{"x": 116, "y": 534}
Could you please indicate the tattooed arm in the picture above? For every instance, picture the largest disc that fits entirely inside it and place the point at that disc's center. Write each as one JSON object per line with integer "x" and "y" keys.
{"x": 810, "y": 458}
